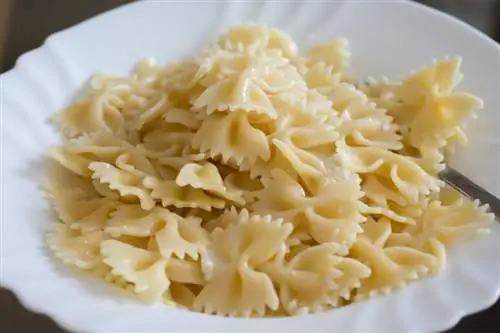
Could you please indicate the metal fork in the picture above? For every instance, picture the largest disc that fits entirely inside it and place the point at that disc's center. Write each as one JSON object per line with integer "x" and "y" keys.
{"x": 470, "y": 189}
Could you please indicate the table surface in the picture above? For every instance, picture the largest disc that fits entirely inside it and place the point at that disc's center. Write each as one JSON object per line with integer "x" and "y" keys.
{"x": 24, "y": 24}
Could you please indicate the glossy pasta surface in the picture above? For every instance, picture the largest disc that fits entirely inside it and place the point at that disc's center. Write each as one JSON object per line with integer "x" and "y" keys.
{"x": 251, "y": 180}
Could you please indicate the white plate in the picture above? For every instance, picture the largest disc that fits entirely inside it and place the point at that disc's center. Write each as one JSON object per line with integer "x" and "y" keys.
{"x": 387, "y": 38}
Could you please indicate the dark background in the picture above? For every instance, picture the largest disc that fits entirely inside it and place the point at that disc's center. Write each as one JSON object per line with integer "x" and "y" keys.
{"x": 24, "y": 25}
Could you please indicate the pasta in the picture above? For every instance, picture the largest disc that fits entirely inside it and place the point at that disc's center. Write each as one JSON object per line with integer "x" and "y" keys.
{"x": 428, "y": 112}
{"x": 254, "y": 181}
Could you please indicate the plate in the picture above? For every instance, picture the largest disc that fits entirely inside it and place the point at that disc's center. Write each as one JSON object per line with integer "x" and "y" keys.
{"x": 387, "y": 38}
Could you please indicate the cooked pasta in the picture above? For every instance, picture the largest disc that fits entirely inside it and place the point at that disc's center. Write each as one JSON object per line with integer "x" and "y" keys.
{"x": 253, "y": 181}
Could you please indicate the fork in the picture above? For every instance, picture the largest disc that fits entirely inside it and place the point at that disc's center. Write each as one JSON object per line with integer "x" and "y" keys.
{"x": 470, "y": 189}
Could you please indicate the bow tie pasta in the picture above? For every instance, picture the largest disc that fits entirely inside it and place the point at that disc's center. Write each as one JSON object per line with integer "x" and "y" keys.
{"x": 254, "y": 181}
{"x": 236, "y": 286}
{"x": 316, "y": 278}
{"x": 429, "y": 113}
{"x": 392, "y": 266}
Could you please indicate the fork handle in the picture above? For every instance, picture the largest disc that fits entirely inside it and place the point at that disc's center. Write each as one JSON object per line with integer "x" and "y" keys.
{"x": 470, "y": 189}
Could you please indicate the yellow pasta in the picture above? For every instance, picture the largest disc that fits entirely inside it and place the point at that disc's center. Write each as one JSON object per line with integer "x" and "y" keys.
{"x": 428, "y": 111}
{"x": 236, "y": 286}
{"x": 254, "y": 181}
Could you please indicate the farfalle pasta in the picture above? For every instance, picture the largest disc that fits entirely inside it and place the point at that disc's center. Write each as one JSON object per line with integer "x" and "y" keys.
{"x": 429, "y": 113}
{"x": 236, "y": 285}
{"x": 316, "y": 278}
{"x": 251, "y": 180}
{"x": 392, "y": 266}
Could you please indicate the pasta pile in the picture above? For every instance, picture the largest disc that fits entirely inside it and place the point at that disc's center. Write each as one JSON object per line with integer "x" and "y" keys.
{"x": 253, "y": 181}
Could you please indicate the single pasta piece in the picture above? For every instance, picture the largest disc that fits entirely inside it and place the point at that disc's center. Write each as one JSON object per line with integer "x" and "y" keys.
{"x": 257, "y": 37}
{"x": 182, "y": 236}
{"x": 334, "y": 54}
{"x": 428, "y": 111}
{"x": 404, "y": 174}
{"x": 232, "y": 137}
{"x": 316, "y": 278}
{"x": 441, "y": 223}
{"x": 392, "y": 266}
{"x": 74, "y": 248}
{"x": 207, "y": 178}
{"x": 171, "y": 194}
{"x": 126, "y": 183}
{"x": 363, "y": 123}
{"x": 132, "y": 220}
{"x": 332, "y": 215}
{"x": 236, "y": 287}
{"x": 145, "y": 269}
